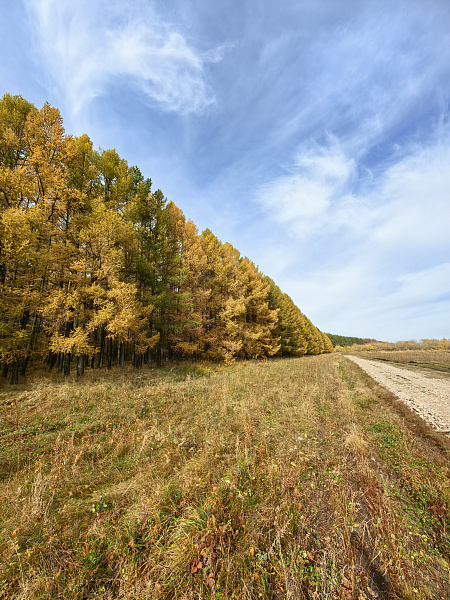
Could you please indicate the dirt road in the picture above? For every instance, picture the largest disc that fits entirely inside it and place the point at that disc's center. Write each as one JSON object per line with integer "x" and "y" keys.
{"x": 427, "y": 395}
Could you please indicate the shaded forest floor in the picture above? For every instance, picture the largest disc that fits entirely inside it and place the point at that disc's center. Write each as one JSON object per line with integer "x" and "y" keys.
{"x": 296, "y": 478}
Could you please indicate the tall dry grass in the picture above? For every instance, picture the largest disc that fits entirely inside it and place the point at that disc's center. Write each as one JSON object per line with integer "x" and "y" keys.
{"x": 286, "y": 479}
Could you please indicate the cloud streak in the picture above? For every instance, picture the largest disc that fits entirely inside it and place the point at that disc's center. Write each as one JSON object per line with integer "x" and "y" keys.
{"x": 361, "y": 79}
{"x": 88, "y": 46}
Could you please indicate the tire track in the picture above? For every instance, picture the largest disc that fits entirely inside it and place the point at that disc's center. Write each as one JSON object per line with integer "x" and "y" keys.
{"x": 427, "y": 396}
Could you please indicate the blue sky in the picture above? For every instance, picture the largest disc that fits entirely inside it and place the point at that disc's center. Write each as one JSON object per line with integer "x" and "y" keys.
{"x": 313, "y": 136}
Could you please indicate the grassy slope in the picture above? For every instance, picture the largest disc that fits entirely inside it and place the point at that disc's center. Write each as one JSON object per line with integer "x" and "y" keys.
{"x": 290, "y": 479}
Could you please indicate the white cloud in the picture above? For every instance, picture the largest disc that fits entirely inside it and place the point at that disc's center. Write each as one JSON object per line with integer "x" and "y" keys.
{"x": 387, "y": 256}
{"x": 314, "y": 192}
{"x": 86, "y": 45}
{"x": 356, "y": 300}
{"x": 415, "y": 201}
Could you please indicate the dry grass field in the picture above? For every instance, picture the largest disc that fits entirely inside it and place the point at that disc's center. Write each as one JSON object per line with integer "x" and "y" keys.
{"x": 297, "y": 479}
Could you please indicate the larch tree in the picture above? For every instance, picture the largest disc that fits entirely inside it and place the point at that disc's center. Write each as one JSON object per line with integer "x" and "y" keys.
{"x": 159, "y": 267}
{"x": 189, "y": 298}
{"x": 225, "y": 308}
{"x": 34, "y": 224}
{"x": 260, "y": 320}
{"x": 96, "y": 266}
{"x": 290, "y": 327}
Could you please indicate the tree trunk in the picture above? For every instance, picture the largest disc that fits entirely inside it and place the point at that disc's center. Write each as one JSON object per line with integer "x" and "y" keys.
{"x": 102, "y": 347}
{"x": 158, "y": 356}
{"x": 25, "y": 364}
{"x": 67, "y": 358}
{"x": 24, "y": 320}
{"x": 52, "y": 358}
{"x": 5, "y": 370}
{"x": 15, "y": 372}
{"x": 80, "y": 365}
{"x": 121, "y": 354}
{"x": 109, "y": 352}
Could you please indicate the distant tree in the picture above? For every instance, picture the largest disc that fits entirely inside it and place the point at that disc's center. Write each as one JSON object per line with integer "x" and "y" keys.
{"x": 342, "y": 340}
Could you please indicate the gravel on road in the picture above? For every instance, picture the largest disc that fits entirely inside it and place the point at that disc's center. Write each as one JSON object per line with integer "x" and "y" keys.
{"x": 426, "y": 395}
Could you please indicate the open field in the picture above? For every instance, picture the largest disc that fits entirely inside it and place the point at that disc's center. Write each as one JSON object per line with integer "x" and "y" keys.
{"x": 297, "y": 478}
{"x": 438, "y": 360}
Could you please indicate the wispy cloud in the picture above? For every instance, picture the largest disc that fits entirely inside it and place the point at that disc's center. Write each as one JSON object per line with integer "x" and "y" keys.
{"x": 86, "y": 45}
{"x": 365, "y": 200}
{"x": 373, "y": 77}
{"x": 387, "y": 255}
{"x": 421, "y": 287}
{"x": 315, "y": 192}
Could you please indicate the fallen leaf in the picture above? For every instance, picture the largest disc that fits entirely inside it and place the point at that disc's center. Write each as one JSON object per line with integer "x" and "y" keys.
{"x": 346, "y": 583}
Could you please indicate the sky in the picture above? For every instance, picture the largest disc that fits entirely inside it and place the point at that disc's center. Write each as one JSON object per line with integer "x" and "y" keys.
{"x": 314, "y": 136}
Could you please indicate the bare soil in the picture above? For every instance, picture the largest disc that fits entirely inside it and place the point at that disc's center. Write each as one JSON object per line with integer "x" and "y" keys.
{"x": 426, "y": 391}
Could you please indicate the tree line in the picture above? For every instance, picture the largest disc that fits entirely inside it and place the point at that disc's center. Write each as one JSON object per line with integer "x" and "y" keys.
{"x": 345, "y": 340}
{"x": 97, "y": 269}
{"x": 442, "y": 345}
